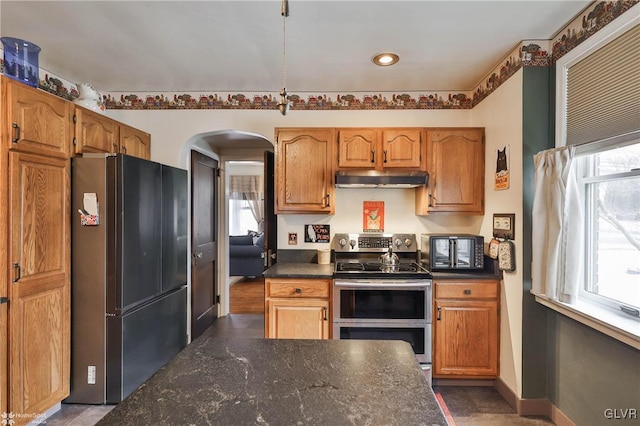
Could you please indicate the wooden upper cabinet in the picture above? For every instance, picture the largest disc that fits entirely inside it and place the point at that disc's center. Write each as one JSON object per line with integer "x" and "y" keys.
{"x": 402, "y": 148}
{"x": 38, "y": 122}
{"x": 380, "y": 149}
{"x": 304, "y": 170}
{"x": 135, "y": 142}
{"x": 357, "y": 148}
{"x": 455, "y": 163}
{"x": 95, "y": 132}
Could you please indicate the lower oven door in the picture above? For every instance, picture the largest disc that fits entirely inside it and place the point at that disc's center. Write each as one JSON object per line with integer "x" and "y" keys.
{"x": 380, "y": 309}
{"x": 418, "y": 335}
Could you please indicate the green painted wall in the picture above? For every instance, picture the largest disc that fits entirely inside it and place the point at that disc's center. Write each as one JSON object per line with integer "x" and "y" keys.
{"x": 591, "y": 374}
{"x": 536, "y": 136}
{"x": 584, "y": 373}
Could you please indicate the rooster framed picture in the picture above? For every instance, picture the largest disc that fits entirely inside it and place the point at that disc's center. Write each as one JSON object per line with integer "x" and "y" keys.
{"x": 373, "y": 216}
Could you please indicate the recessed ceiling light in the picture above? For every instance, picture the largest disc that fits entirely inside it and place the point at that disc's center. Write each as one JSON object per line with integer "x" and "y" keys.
{"x": 385, "y": 59}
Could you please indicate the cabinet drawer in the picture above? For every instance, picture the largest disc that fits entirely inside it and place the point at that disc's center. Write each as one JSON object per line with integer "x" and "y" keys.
{"x": 467, "y": 290}
{"x": 298, "y": 288}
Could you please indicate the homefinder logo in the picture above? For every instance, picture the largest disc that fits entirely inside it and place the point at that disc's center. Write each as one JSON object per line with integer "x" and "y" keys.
{"x": 10, "y": 418}
{"x": 620, "y": 413}
{"x": 7, "y": 419}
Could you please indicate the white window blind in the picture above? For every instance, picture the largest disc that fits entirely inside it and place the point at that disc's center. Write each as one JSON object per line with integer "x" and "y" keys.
{"x": 603, "y": 91}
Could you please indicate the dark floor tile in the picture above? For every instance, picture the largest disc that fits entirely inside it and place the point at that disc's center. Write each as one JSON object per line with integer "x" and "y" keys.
{"x": 79, "y": 415}
{"x": 488, "y": 400}
{"x": 459, "y": 402}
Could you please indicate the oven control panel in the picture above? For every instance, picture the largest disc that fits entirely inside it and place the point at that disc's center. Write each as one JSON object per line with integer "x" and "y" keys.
{"x": 374, "y": 242}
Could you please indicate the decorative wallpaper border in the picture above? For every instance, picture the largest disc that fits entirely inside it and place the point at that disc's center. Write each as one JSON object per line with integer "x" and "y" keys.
{"x": 587, "y": 24}
{"x": 526, "y": 54}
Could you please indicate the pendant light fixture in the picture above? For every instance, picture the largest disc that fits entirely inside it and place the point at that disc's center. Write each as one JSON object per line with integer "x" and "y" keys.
{"x": 283, "y": 105}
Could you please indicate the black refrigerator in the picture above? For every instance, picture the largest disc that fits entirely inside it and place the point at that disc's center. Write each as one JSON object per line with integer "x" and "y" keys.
{"x": 128, "y": 273}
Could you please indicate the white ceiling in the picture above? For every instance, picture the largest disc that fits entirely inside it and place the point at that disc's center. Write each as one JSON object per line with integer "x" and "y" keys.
{"x": 236, "y": 46}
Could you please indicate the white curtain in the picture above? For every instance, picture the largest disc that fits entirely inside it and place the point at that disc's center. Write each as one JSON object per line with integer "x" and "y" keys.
{"x": 250, "y": 188}
{"x": 557, "y": 226}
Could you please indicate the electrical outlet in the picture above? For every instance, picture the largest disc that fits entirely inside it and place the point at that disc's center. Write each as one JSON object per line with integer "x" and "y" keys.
{"x": 91, "y": 375}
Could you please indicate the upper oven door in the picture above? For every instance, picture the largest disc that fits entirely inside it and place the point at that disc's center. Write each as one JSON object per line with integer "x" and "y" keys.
{"x": 376, "y": 300}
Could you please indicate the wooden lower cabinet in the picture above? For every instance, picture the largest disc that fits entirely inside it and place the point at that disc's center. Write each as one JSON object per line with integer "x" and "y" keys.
{"x": 297, "y": 308}
{"x": 466, "y": 329}
{"x": 39, "y": 287}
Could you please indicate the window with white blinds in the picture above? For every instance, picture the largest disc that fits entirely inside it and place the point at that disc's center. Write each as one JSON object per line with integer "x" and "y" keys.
{"x": 603, "y": 91}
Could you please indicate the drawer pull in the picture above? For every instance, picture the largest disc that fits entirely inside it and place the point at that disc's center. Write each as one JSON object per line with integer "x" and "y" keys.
{"x": 467, "y": 291}
{"x": 298, "y": 290}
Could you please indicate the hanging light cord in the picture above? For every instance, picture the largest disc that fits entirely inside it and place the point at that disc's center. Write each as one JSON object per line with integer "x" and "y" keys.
{"x": 285, "y": 13}
{"x": 283, "y": 105}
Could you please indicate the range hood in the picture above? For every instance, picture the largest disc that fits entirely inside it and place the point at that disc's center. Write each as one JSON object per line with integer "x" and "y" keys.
{"x": 375, "y": 179}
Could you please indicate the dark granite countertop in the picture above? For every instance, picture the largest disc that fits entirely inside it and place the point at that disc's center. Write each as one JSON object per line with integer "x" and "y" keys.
{"x": 299, "y": 270}
{"x": 230, "y": 381}
{"x": 313, "y": 270}
{"x": 468, "y": 275}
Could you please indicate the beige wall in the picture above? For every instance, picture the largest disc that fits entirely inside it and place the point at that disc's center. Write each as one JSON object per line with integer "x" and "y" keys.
{"x": 501, "y": 116}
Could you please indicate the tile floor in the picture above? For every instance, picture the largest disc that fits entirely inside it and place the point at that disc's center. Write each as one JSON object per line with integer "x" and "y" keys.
{"x": 469, "y": 406}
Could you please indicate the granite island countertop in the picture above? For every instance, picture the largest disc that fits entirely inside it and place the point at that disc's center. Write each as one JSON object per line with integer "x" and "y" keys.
{"x": 227, "y": 381}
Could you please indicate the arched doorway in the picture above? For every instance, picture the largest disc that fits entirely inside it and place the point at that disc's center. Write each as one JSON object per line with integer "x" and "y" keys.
{"x": 223, "y": 146}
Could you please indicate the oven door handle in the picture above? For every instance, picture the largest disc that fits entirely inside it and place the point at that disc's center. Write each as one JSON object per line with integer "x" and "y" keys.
{"x": 380, "y": 284}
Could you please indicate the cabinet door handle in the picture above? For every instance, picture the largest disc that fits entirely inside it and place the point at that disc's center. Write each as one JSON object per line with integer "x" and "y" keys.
{"x": 16, "y": 133}
{"x": 298, "y": 290}
{"x": 384, "y": 156}
{"x": 115, "y": 148}
{"x": 328, "y": 196}
{"x": 324, "y": 312}
{"x": 123, "y": 149}
{"x": 373, "y": 156}
{"x": 432, "y": 191}
{"x": 16, "y": 266}
{"x": 439, "y": 313}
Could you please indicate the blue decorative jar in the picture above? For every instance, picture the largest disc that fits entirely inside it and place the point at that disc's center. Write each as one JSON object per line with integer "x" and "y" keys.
{"x": 21, "y": 60}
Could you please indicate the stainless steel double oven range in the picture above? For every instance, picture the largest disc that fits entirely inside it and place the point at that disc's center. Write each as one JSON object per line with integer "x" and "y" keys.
{"x": 375, "y": 300}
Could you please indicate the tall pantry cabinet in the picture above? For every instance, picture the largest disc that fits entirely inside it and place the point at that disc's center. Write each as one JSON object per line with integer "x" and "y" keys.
{"x": 34, "y": 250}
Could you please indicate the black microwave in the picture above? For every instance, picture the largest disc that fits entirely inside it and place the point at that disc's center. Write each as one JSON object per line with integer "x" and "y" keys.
{"x": 452, "y": 252}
